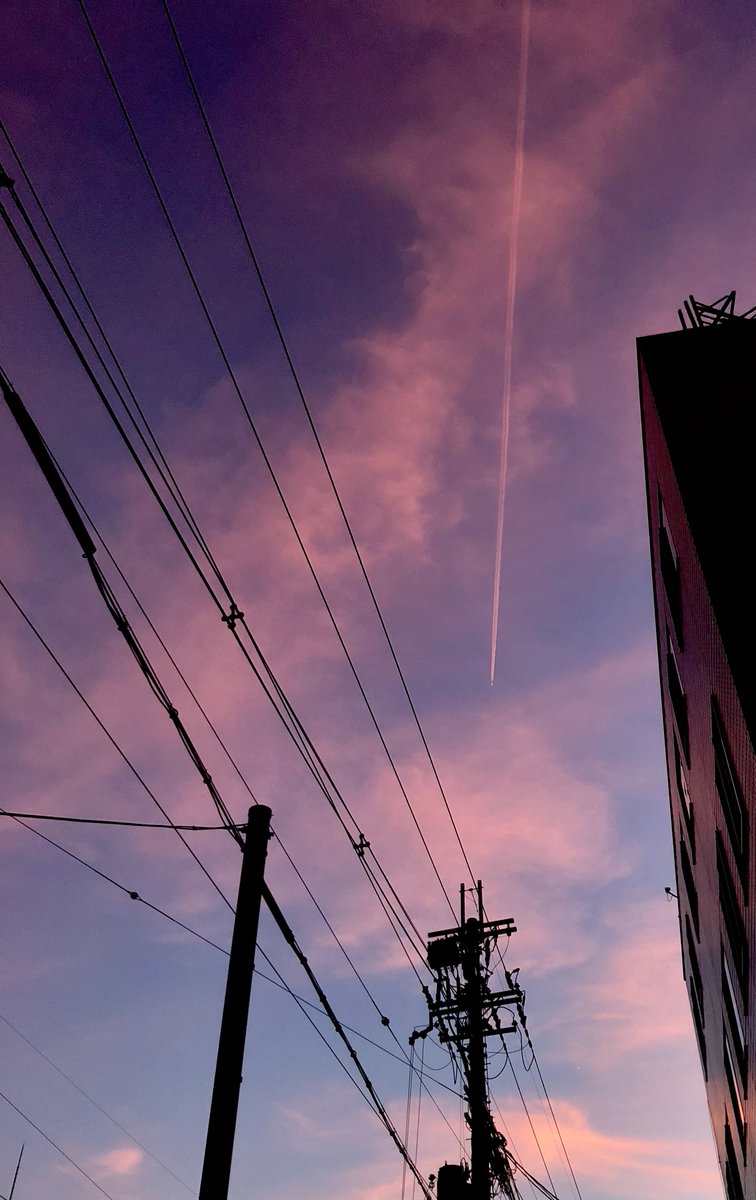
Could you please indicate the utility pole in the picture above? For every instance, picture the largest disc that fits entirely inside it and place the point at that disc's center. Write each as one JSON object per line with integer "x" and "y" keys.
{"x": 465, "y": 1012}
{"x": 221, "y": 1126}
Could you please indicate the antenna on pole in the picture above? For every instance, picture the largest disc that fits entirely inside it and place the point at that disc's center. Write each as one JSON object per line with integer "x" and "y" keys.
{"x": 15, "y": 1175}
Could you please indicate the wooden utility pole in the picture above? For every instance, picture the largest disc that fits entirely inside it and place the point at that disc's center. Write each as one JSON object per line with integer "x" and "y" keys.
{"x": 221, "y": 1126}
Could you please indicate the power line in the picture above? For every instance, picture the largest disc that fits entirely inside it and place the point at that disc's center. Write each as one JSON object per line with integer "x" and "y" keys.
{"x": 195, "y": 933}
{"x": 140, "y": 779}
{"x": 126, "y": 824}
{"x": 55, "y": 1145}
{"x": 530, "y": 1123}
{"x": 342, "y": 948}
{"x": 524, "y": 1027}
{"x": 133, "y": 895}
{"x": 231, "y": 620}
{"x": 300, "y": 392}
{"x": 94, "y": 1102}
{"x": 250, "y": 421}
{"x": 289, "y": 937}
{"x": 272, "y": 688}
{"x": 277, "y": 696}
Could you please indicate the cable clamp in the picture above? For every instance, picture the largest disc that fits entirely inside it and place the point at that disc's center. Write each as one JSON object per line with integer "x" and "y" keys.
{"x": 232, "y": 616}
{"x": 361, "y": 846}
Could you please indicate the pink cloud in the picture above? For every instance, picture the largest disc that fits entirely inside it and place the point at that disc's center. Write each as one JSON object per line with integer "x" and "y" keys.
{"x": 622, "y": 1165}
{"x": 123, "y": 1160}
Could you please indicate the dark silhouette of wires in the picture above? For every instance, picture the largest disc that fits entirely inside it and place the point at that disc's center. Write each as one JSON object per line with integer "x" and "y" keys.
{"x": 122, "y": 754}
{"x": 286, "y": 930}
{"x": 301, "y": 394}
{"x": 261, "y": 668}
{"x": 253, "y": 429}
{"x": 366, "y": 1088}
{"x": 54, "y": 1145}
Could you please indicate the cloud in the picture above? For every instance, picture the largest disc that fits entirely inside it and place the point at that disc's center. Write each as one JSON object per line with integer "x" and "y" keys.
{"x": 618, "y": 1164}
{"x": 640, "y": 945}
{"x": 123, "y": 1160}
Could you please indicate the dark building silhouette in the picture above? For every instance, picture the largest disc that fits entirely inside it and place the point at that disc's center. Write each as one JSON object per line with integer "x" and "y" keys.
{"x": 698, "y": 403}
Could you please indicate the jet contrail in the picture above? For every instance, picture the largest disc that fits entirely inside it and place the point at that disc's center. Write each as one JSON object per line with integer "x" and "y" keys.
{"x": 514, "y": 229}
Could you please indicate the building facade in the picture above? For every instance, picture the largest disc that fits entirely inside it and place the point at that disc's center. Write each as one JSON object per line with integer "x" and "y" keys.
{"x": 698, "y": 404}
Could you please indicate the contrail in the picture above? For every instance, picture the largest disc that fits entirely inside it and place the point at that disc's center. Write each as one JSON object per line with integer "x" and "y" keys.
{"x": 514, "y": 230}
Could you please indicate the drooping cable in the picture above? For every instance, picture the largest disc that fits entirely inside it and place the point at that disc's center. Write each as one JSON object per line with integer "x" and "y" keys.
{"x": 110, "y": 821}
{"x": 532, "y": 1126}
{"x": 301, "y": 394}
{"x": 122, "y": 754}
{"x": 108, "y": 879}
{"x": 289, "y": 937}
{"x": 524, "y": 1026}
{"x": 286, "y": 711}
{"x": 301, "y": 1002}
{"x": 250, "y": 421}
{"x": 270, "y": 684}
{"x": 156, "y": 687}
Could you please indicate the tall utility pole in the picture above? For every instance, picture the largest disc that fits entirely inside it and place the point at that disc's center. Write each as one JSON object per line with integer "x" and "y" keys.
{"x": 221, "y": 1126}
{"x": 465, "y": 1011}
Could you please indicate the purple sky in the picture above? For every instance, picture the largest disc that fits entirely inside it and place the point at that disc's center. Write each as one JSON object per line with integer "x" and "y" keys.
{"x": 371, "y": 147}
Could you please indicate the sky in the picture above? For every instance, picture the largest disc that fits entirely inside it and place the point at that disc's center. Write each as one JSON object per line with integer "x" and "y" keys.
{"x": 371, "y": 147}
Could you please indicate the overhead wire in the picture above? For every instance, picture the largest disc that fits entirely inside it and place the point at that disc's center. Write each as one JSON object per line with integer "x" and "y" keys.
{"x": 556, "y": 1124}
{"x": 35, "y": 816}
{"x": 152, "y": 796}
{"x": 239, "y": 615}
{"x": 250, "y": 421}
{"x": 122, "y": 754}
{"x": 308, "y": 413}
{"x": 134, "y": 895}
{"x": 272, "y": 688}
{"x": 523, "y": 1024}
{"x": 124, "y": 627}
{"x": 291, "y": 940}
{"x": 410, "y": 1077}
{"x": 270, "y": 684}
{"x": 54, "y": 1145}
{"x": 269, "y": 899}
{"x": 326, "y": 1010}
{"x": 95, "y": 1103}
{"x": 536, "y": 1139}
{"x": 416, "y": 1149}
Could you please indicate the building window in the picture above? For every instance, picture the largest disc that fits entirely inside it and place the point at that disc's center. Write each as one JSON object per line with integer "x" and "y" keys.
{"x": 677, "y": 696}
{"x": 695, "y": 991}
{"x": 730, "y": 796}
{"x": 683, "y": 793}
{"x": 732, "y": 1008}
{"x": 690, "y": 887}
{"x": 669, "y": 562}
{"x": 733, "y": 920}
{"x": 732, "y": 1170}
{"x": 735, "y": 1088}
